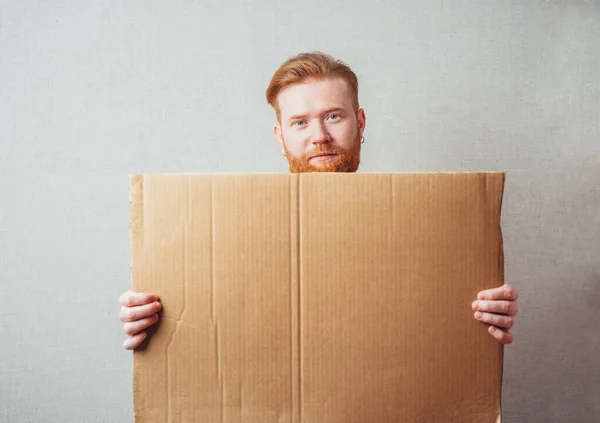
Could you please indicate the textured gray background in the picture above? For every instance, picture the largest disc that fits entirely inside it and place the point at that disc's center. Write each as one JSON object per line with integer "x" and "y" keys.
{"x": 93, "y": 91}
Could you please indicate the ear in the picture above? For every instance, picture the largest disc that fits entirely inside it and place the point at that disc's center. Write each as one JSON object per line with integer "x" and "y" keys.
{"x": 362, "y": 120}
{"x": 278, "y": 134}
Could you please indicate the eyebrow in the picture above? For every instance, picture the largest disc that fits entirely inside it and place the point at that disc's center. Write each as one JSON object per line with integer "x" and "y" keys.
{"x": 327, "y": 111}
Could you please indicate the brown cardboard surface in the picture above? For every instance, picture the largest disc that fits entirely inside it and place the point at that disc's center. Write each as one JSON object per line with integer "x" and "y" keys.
{"x": 317, "y": 298}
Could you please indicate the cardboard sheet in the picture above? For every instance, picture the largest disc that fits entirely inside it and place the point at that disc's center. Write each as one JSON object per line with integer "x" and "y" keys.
{"x": 317, "y": 298}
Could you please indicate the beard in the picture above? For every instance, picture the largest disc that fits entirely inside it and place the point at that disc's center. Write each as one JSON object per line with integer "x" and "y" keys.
{"x": 345, "y": 159}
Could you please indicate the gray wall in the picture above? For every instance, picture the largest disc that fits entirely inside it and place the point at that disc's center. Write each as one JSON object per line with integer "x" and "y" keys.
{"x": 93, "y": 91}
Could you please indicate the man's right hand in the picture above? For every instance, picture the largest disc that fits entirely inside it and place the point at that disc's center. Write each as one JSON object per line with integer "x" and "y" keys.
{"x": 139, "y": 311}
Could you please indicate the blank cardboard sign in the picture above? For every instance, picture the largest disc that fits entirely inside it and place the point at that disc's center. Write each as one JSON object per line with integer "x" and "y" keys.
{"x": 317, "y": 298}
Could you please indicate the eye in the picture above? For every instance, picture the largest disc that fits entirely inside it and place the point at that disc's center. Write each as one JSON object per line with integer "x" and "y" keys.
{"x": 299, "y": 123}
{"x": 333, "y": 116}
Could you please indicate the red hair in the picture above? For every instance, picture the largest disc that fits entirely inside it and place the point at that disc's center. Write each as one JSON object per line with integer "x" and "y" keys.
{"x": 306, "y": 66}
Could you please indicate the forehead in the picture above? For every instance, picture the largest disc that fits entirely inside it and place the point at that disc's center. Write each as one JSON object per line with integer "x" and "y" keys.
{"x": 314, "y": 96}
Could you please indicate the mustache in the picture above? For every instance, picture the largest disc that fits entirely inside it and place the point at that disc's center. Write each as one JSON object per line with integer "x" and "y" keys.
{"x": 325, "y": 149}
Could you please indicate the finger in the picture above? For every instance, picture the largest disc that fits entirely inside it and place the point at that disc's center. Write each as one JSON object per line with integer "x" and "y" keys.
{"x": 501, "y": 336}
{"x": 505, "y": 292}
{"x": 131, "y": 328}
{"x": 134, "y": 341}
{"x": 503, "y": 307}
{"x": 498, "y": 320}
{"x": 131, "y": 299}
{"x": 130, "y": 314}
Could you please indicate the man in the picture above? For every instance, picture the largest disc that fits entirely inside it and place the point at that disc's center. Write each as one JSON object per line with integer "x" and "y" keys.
{"x": 320, "y": 128}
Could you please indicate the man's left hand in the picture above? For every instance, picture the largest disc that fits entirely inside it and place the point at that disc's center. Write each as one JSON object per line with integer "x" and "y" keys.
{"x": 498, "y": 307}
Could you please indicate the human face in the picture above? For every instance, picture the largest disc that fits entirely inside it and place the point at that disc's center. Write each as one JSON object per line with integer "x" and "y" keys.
{"x": 319, "y": 129}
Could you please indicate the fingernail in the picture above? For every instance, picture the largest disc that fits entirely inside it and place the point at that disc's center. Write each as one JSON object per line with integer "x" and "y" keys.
{"x": 475, "y": 304}
{"x": 478, "y": 315}
{"x": 493, "y": 329}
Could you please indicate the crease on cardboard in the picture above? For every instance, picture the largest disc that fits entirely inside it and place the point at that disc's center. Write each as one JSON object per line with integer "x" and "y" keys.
{"x": 137, "y": 238}
{"x": 179, "y": 319}
{"x": 213, "y": 303}
{"x": 141, "y": 197}
{"x": 241, "y": 397}
{"x": 212, "y": 252}
{"x": 292, "y": 309}
{"x": 298, "y": 181}
{"x": 136, "y": 204}
{"x": 295, "y": 334}
{"x": 213, "y": 290}
{"x": 392, "y": 206}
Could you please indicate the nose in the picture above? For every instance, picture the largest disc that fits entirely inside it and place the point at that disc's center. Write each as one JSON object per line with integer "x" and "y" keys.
{"x": 319, "y": 134}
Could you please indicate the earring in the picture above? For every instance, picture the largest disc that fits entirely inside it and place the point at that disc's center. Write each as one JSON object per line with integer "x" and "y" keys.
{"x": 362, "y": 139}
{"x": 282, "y": 152}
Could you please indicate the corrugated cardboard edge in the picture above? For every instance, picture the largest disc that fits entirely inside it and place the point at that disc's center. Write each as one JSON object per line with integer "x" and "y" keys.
{"x": 501, "y": 265}
{"x": 136, "y": 193}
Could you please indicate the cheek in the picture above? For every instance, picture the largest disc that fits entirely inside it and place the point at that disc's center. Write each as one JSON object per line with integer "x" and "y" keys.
{"x": 344, "y": 134}
{"x": 295, "y": 142}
